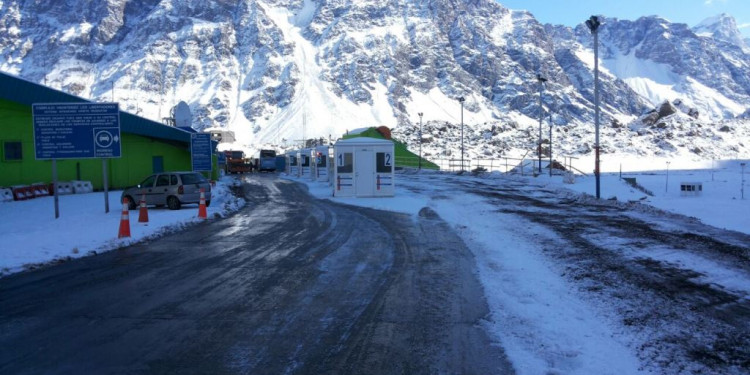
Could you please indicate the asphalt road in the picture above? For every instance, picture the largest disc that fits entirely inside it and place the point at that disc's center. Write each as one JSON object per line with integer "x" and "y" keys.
{"x": 289, "y": 284}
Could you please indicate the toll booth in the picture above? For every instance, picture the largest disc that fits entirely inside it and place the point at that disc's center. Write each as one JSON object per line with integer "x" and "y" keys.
{"x": 691, "y": 189}
{"x": 305, "y": 163}
{"x": 292, "y": 166}
{"x": 363, "y": 167}
{"x": 321, "y": 163}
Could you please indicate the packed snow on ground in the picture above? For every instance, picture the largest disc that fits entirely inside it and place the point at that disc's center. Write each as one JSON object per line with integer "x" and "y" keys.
{"x": 31, "y": 236}
{"x": 541, "y": 320}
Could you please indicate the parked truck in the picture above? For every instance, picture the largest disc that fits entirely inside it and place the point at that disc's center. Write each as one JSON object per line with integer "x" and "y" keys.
{"x": 237, "y": 162}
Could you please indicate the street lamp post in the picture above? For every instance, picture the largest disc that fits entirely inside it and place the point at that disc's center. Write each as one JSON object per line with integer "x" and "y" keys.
{"x": 550, "y": 142}
{"x": 593, "y": 24}
{"x": 420, "y": 139}
{"x": 742, "y": 187}
{"x": 541, "y": 115}
{"x": 666, "y": 186}
{"x": 461, "y": 100}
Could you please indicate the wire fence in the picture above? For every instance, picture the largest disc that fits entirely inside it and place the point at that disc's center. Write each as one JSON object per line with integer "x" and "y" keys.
{"x": 507, "y": 165}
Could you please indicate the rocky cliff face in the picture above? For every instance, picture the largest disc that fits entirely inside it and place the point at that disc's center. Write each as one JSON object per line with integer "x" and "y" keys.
{"x": 281, "y": 70}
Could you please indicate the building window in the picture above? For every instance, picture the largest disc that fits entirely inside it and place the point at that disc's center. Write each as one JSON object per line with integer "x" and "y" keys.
{"x": 384, "y": 162}
{"x": 345, "y": 163}
{"x": 12, "y": 150}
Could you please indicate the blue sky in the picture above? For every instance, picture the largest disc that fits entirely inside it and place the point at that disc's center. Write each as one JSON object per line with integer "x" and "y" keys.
{"x": 691, "y": 12}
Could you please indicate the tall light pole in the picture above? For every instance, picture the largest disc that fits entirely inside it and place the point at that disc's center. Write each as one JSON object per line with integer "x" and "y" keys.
{"x": 742, "y": 187}
{"x": 593, "y": 24}
{"x": 541, "y": 115}
{"x": 420, "y": 140}
{"x": 461, "y": 100}
{"x": 666, "y": 187}
{"x": 550, "y": 142}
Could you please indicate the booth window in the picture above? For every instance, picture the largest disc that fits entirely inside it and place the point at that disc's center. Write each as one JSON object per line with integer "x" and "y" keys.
{"x": 12, "y": 151}
{"x": 305, "y": 161}
{"x": 292, "y": 160}
{"x": 384, "y": 162}
{"x": 321, "y": 160}
{"x": 345, "y": 164}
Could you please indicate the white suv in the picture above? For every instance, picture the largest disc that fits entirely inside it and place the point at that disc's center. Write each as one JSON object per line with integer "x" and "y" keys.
{"x": 172, "y": 189}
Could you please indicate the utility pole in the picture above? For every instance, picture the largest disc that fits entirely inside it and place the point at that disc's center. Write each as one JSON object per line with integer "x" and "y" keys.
{"x": 461, "y": 100}
{"x": 420, "y": 139}
{"x": 550, "y": 142}
{"x": 742, "y": 188}
{"x": 593, "y": 24}
{"x": 541, "y": 115}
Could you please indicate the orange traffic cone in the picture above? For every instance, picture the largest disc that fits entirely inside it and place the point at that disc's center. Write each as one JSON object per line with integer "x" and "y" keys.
{"x": 124, "y": 220}
{"x": 143, "y": 213}
{"x": 202, "y": 206}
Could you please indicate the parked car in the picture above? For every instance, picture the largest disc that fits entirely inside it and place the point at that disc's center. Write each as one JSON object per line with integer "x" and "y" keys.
{"x": 172, "y": 189}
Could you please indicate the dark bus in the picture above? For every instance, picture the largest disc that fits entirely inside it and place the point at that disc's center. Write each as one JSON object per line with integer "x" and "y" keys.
{"x": 267, "y": 161}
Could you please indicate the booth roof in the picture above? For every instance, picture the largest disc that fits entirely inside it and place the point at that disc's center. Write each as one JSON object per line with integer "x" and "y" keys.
{"x": 363, "y": 141}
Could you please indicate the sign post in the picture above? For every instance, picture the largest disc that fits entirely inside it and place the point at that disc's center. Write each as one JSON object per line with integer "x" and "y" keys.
{"x": 76, "y": 131}
{"x": 200, "y": 152}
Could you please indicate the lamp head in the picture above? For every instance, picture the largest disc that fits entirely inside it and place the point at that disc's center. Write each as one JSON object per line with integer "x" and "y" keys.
{"x": 461, "y": 99}
{"x": 593, "y": 24}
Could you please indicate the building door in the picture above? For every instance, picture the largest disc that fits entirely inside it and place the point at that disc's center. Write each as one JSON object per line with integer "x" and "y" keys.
{"x": 364, "y": 173}
{"x": 158, "y": 164}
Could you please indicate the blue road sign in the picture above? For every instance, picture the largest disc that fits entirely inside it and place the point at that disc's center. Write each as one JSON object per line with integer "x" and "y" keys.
{"x": 200, "y": 150}
{"x": 76, "y": 130}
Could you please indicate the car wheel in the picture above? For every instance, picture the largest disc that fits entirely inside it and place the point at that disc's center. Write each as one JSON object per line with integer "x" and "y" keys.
{"x": 131, "y": 203}
{"x": 173, "y": 203}
{"x": 208, "y": 202}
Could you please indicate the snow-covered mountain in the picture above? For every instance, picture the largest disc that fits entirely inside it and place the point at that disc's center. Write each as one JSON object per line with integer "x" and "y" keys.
{"x": 278, "y": 71}
{"x": 722, "y": 28}
{"x": 667, "y": 61}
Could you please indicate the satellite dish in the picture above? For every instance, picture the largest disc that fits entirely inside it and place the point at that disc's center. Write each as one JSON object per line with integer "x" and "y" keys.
{"x": 182, "y": 115}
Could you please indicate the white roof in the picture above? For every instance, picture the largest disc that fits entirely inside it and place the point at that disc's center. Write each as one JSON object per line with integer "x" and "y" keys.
{"x": 358, "y": 130}
{"x": 364, "y": 141}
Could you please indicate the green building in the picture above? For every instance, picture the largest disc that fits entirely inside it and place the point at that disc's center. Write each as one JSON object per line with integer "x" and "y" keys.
{"x": 146, "y": 146}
